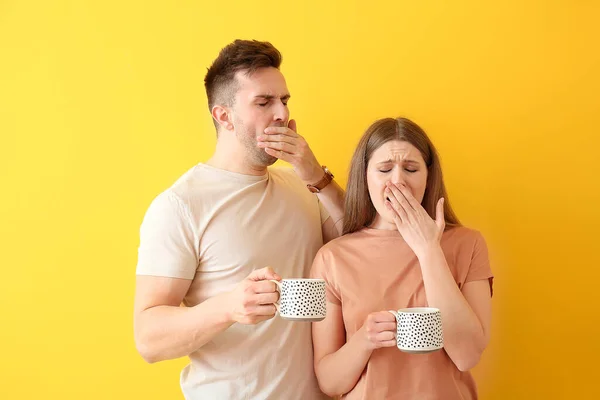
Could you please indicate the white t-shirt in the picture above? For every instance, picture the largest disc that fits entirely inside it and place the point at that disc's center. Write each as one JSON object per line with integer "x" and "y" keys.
{"x": 214, "y": 227}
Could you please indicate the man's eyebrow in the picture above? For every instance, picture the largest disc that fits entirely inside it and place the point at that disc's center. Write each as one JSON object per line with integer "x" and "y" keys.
{"x": 270, "y": 97}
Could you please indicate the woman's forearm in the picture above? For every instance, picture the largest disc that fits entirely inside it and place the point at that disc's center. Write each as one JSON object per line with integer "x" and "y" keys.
{"x": 339, "y": 372}
{"x": 464, "y": 337}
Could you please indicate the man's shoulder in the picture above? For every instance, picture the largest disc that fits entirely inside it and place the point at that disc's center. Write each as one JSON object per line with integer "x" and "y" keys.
{"x": 284, "y": 173}
{"x": 286, "y": 176}
{"x": 190, "y": 178}
{"x": 193, "y": 183}
{"x": 181, "y": 192}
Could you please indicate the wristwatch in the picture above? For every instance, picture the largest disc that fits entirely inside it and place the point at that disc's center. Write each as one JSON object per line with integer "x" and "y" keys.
{"x": 317, "y": 187}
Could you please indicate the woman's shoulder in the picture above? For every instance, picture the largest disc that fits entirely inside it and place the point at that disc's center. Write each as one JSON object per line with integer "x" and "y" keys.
{"x": 342, "y": 241}
{"x": 460, "y": 236}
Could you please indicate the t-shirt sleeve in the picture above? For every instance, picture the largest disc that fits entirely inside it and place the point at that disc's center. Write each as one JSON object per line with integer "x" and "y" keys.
{"x": 168, "y": 243}
{"x": 321, "y": 269}
{"x": 480, "y": 263}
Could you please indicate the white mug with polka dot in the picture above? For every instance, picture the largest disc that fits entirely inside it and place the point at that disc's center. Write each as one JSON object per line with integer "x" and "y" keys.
{"x": 301, "y": 299}
{"x": 419, "y": 329}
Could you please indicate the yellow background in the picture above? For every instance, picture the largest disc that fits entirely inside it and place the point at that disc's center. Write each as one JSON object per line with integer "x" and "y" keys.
{"x": 102, "y": 106}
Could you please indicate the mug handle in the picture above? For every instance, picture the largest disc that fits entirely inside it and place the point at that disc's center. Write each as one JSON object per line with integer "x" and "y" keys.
{"x": 278, "y": 284}
{"x": 394, "y": 313}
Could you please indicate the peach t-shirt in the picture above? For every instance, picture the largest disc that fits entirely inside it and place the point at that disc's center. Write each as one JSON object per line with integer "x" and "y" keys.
{"x": 375, "y": 270}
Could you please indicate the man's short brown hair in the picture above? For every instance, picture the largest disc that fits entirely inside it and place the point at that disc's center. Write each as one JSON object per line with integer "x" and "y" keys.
{"x": 241, "y": 55}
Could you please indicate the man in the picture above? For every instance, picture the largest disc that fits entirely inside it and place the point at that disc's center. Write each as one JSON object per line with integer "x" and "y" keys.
{"x": 214, "y": 239}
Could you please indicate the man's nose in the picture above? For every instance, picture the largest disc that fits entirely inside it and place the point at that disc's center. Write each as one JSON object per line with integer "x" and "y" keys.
{"x": 282, "y": 113}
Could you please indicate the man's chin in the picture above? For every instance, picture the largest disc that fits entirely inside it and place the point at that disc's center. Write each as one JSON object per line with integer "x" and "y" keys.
{"x": 271, "y": 161}
{"x": 265, "y": 159}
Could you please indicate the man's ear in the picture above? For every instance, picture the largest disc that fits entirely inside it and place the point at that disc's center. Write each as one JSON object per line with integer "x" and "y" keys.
{"x": 222, "y": 115}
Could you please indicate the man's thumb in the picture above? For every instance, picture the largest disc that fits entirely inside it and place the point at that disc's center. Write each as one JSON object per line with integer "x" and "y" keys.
{"x": 266, "y": 273}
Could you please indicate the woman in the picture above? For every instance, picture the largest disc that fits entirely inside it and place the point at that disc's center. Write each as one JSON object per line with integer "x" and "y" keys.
{"x": 402, "y": 247}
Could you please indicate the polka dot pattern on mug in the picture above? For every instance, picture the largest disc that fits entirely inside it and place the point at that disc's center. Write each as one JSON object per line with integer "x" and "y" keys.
{"x": 420, "y": 331}
{"x": 302, "y": 298}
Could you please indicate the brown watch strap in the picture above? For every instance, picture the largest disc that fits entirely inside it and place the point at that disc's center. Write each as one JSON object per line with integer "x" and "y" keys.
{"x": 326, "y": 180}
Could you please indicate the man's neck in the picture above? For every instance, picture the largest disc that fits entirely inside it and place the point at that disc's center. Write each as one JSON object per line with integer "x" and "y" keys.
{"x": 232, "y": 158}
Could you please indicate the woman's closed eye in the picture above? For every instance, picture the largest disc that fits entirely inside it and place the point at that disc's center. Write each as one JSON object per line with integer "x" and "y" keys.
{"x": 385, "y": 171}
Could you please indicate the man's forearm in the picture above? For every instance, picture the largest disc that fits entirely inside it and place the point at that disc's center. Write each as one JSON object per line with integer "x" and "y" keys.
{"x": 169, "y": 332}
{"x": 332, "y": 198}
